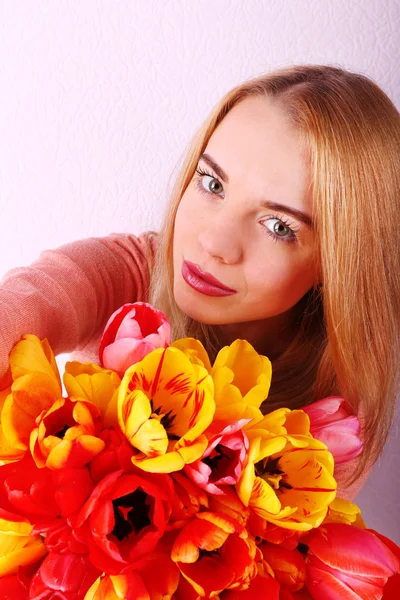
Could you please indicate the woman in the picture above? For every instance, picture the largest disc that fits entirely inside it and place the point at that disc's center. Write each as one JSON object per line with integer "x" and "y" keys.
{"x": 279, "y": 230}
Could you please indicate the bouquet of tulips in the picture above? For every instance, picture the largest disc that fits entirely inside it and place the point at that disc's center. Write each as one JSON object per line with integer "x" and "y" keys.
{"x": 154, "y": 475}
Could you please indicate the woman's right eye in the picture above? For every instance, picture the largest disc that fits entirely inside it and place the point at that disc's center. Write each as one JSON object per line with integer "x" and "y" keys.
{"x": 205, "y": 186}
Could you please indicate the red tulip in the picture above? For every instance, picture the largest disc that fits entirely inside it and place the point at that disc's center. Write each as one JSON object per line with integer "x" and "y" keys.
{"x": 116, "y": 455}
{"x": 42, "y": 496}
{"x": 132, "y": 332}
{"x": 16, "y": 587}
{"x": 332, "y": 424}
{"x": 156, "y": 579}
{"x": 63, "y": 576}
{"x": 260, "y": 587}
{"x": 124, "y": 518}
{"x": 347, "y": 562}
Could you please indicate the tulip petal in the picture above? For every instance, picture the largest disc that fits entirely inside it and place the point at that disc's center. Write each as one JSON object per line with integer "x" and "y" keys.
{"x": 151, "y": 438}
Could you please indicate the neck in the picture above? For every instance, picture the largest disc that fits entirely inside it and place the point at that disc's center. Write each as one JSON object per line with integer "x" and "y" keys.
{"x": 269, "y": 337}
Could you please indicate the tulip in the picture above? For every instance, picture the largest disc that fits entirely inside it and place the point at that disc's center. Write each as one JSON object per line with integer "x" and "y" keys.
{"x": 288, "y": 479}
{"x": 347, "y": 562}
{"x": 188, "y": 500}
{"x": 260, "y": 587}
{"x": 66, "y": 434}
{"x": 165, "y": 404}
{"x": 64, "y": 575}
{"x": 116, "y": 454}
{"x": 332, "y": 424}
{"x": 230, "y": 504}
{"x": 124, "y": 518}
{"x": 222, "y": 462}
{"x": 288, "y": 566}
{"x": 242, "y": 377}
{"x": 93, "y": 383}
{"x": 41, "y": 496}
{"x": 16, "y": 586}
{"x": 132, "y": 332}
{"x": 19, "y": 551}
{"x": 140, "y": 584}
{"x": 344, "y": 511}
{"x": 36, "y": 386}
{"x": 213, "y": 552}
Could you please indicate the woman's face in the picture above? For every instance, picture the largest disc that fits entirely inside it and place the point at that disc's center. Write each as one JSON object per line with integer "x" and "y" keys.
{"x": 229, "y": 223}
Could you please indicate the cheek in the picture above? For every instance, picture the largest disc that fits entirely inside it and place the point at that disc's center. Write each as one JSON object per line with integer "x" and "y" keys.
{"x": 186, "y": 217}
{"x": 281, "y": 274}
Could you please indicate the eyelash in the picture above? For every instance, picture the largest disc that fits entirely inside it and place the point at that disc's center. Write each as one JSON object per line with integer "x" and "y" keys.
{"x": 293, "y": 231}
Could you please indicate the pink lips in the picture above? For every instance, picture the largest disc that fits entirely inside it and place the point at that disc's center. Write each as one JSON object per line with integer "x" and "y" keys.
{"x": 203, "y": 282}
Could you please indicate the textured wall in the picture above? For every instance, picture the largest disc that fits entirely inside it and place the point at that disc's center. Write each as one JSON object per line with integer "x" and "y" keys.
{"x": 99, "y": 100}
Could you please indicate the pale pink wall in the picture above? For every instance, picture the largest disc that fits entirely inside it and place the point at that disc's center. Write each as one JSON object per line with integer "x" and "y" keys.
{"x": 99, "y": 99}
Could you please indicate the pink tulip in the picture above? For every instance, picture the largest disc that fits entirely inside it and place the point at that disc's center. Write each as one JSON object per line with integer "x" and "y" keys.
{"x": 222, "y": 461}
{"x": 132, "y": 332}
{"x": 348, "y": 563}
{"x": 332, "y": 424}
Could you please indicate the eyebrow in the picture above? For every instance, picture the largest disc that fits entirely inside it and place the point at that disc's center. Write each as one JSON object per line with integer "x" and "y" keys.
{"x": 297, "y": 214}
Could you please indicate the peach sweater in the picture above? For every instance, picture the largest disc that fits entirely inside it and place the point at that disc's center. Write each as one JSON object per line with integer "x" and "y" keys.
{"x": 68, "y": 294}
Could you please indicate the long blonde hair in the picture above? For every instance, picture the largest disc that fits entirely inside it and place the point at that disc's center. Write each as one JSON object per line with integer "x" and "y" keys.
{"x": 347, "y": 342}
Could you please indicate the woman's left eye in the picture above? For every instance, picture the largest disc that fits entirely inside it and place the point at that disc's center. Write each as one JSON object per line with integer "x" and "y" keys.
{"x": 280, "y": 230}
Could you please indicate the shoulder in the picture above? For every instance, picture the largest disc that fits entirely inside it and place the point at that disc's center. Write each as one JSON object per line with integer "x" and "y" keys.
{"x": 141, "y": 248}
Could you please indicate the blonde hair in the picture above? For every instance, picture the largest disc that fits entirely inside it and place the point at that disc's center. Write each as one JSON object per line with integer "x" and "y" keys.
{"x": 347, "y": 341}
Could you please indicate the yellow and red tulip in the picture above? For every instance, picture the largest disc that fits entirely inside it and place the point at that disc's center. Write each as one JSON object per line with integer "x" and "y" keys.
{"x": 165, "y": 403}
{"x": 288, "y": 479}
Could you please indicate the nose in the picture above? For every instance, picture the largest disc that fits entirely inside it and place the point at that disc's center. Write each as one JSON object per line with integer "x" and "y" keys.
{"x": 221, "y": 239}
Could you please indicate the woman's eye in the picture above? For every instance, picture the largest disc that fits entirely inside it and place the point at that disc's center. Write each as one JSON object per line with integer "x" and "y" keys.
{"x": 208, "y": 184}
{"x": 279, "y": 230}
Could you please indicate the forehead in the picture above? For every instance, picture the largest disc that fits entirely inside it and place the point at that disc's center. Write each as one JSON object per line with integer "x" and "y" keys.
{"x": 258, "y": 148}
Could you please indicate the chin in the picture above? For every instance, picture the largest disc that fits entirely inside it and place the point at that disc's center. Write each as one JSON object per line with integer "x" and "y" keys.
{"x": 199, "y": 309}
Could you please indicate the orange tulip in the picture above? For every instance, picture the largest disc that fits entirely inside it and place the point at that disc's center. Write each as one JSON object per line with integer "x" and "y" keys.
{"x": 187, "y": 502}
{"x": 214, "y": 553}
{"x": 65, "y": 434}
{"x": 36, "y": 386}
{"x": 289, "y": 566}
{"x": 91, "y": 382}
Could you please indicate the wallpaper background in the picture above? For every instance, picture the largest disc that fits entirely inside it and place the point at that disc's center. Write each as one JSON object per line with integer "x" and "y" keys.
{"x": 99, "y": 101}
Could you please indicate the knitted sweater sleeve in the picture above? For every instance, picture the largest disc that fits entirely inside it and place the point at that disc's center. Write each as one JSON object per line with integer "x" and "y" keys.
{"x": 68, "y": 293}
